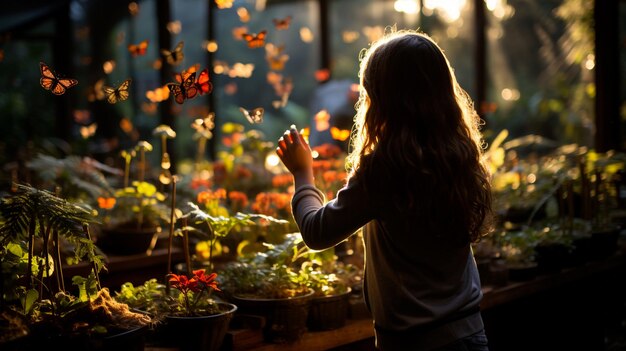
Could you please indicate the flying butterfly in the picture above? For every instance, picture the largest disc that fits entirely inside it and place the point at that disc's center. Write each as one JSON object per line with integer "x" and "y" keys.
{"x": 138, "y": 49}
{"x": 255, "y": 40}
{"x": 254, "y": 116}
{"x": 180, "y": 77}
{"x": 50, "y": 81}
{"x": 120, "y": 93}
{"x": 176, "y": 56}
{"x": 339, "y": 134}
{"x": 184, "y": 90}
{"x": 106, "y": 203}
{"x": 282, "y": 23}
{"x": 203, "y": 84}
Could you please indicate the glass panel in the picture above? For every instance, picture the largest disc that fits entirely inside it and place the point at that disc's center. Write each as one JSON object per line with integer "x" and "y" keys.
{"x": 540, "y": 70}
{"x": 234, "y": 60}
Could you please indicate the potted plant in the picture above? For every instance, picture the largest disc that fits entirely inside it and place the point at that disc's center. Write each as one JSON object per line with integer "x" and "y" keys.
{"x": 185, "y": 303}
{"x": 331, "y": 283}
{"x": 517, "y": 256}
{"x": 266, "y": 284}
{"x": 132, "y": 219}
{"x": 33, "y": 283}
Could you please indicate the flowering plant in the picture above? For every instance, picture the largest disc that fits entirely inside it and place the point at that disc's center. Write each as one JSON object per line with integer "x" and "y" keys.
{"x": 194, "y": 294}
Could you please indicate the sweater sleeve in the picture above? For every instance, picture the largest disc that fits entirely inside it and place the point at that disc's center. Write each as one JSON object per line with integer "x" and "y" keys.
{"x": 325, "y": 225}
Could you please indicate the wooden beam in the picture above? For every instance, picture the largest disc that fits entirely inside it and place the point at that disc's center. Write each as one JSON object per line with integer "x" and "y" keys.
{"x": 608, "y": 134}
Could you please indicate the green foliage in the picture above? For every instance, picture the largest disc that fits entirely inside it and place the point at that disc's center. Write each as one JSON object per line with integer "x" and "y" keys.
{"x": 79, "y": 178}
{"x": 140, "y": 206}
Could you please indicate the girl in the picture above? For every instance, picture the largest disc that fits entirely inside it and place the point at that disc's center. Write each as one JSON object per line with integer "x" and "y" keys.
{"x": 418, "y": 187}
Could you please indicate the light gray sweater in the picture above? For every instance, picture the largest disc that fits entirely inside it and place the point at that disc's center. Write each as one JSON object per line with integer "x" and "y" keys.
{"x": 423, "y": 292}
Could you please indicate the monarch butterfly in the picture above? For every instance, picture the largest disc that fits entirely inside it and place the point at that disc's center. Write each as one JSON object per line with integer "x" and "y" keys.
{"x": 184, "y": 90}
{"x": 282, "y": 24}
{"x": 254, "y": 116}
{"x": 117, "y": 94}
{"x": 180, "y": 77}
{"x": 339, "y": 134}
{"x": 50, "y": 81}
{"x": 203, "y": 84}
{"x": 138, "y": 49}
{"x": 176, "y": 56}
{"x": 255, "y": 40}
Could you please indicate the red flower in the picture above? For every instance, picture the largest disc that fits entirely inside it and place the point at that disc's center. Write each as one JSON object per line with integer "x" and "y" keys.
{"x": 184, "y": 284}
{"x": 207, "y": 280}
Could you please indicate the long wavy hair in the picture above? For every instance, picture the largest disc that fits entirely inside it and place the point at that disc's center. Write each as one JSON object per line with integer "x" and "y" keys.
{"x": 417, "y": 129}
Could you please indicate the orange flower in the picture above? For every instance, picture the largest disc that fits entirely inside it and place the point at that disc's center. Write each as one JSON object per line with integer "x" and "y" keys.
{"x": 208, "y": 195}
{"x": 282, "y": 180}
{"x": 238, "y": 200}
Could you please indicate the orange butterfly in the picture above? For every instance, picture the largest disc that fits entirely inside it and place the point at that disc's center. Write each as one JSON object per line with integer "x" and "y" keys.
{"x": 203, "y": 84}
{"x": 176, "y": 56}
{"x": 50, "y": 81}
{"x": 106, "y": 203}
{"x": 255, "y": 40}
{"x": 339, "y": 134}
{"x": 254, "y": 116}
{"x": 117, "y": 94}
{"x": 180, "y": 77}
{"x": 138, "y": 49}
{"x": 184, "y": 90}
{"x": 282, "y": 24}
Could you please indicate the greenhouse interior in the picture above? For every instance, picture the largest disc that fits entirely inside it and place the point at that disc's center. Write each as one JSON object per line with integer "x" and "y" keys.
{"x": 252, "y": 175}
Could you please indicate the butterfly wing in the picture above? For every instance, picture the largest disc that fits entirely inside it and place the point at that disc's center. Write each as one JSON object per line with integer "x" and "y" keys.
{"x": 254, "y": 116}
{"x": 122, "y": 91}
{"x": 189, "y": 86}
{"x": 50, "y": 81}
{"x": 109, "y": 92}
{"x": 177, "y": 91}
{"x": 203, "y": 84}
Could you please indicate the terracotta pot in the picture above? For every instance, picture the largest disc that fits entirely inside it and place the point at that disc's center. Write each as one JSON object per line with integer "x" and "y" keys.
{"x": 285, "y": 319}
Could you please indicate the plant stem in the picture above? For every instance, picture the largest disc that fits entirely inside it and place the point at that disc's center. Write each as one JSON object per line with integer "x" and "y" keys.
{"x": 31, "y": 244}
{"x": 57, "y": 262}
{"x": 169, "y": 245}
{"x": 126, "y": 171}
{"x": 186, "y": 246}
{"x": 93, "y": 264}
{"x": 142, "y": 164}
